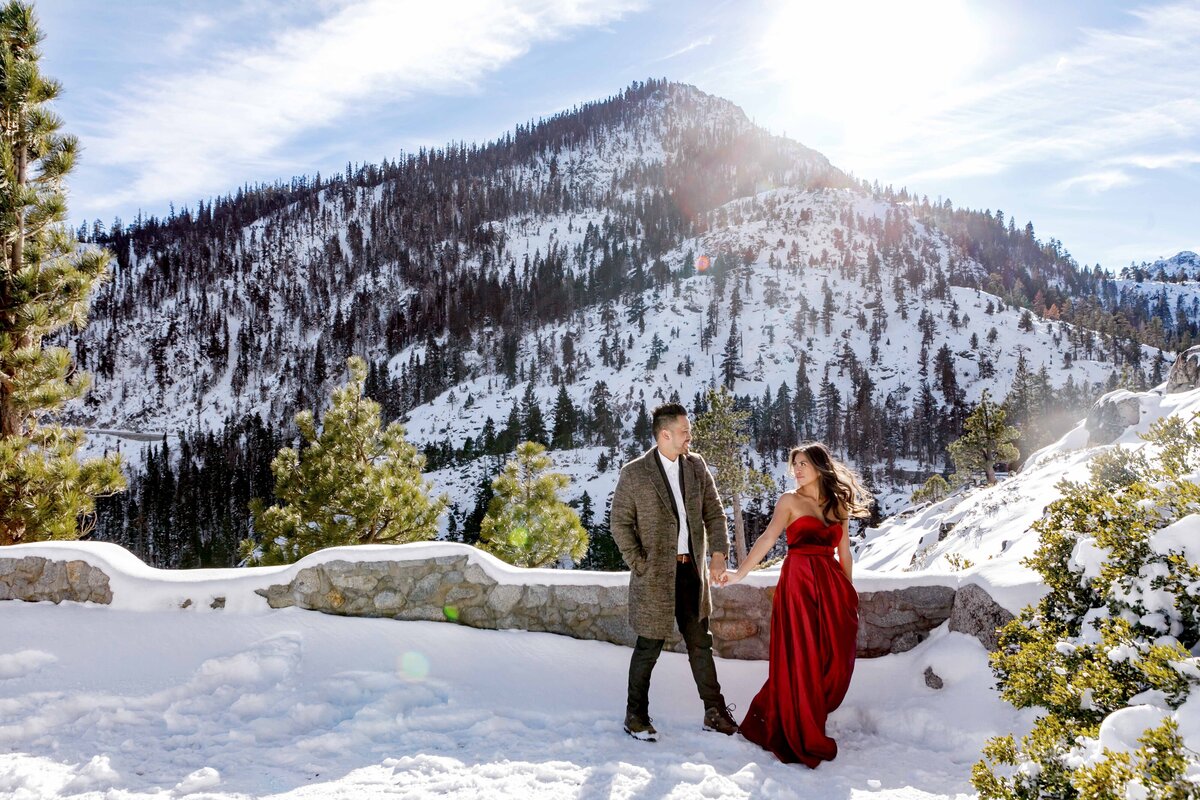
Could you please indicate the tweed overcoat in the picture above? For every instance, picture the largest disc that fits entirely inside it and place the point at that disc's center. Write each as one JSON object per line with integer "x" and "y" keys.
{"x": 646, "y": 530}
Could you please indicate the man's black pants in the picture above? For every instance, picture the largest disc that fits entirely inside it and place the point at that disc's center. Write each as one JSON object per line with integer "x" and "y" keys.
{"x": 699, "y": 649}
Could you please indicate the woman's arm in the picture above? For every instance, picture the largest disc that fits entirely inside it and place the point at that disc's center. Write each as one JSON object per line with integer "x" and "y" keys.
{"x": 764, "y": 543}
{"x": 843, "y": 550}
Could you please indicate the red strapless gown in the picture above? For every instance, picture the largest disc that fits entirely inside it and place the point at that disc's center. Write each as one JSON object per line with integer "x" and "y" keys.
{"x": 814, "y": 628}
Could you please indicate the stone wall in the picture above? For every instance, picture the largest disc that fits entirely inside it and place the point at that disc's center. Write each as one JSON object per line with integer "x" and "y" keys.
{"x": 455, "y": 588}
{"x": 451, "y": 588}
{"x": 35, "y": 579}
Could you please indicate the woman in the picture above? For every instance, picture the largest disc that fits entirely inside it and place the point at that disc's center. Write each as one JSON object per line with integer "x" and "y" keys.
{"x": 814, "y": 619}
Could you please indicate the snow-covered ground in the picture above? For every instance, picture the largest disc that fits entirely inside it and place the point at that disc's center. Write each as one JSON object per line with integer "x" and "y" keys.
{"x": 141, "y": 699}
{"x": 98, "y": 702}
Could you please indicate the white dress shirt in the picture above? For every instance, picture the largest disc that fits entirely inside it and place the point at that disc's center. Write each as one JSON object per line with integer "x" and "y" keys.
{"x": 672, "y": 470}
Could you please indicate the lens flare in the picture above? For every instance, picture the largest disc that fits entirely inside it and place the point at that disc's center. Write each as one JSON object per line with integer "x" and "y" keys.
{"x": 702, "y": 263}
{"x": 451, "y": 613}
{"x": 414, "y": 665}
{"x": 518, "y": 536}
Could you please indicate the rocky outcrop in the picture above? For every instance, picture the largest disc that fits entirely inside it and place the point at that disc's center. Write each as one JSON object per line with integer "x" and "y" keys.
{"x": 977, "y": 614}
{"x": 1185, "y": 372}
{"x": 37, "y": 579}
{"x": 1111, "y": 416}
{"x": 899, "y": 619}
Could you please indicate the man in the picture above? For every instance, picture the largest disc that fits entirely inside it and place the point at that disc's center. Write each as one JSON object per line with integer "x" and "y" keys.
{"x": 664, "y": 510}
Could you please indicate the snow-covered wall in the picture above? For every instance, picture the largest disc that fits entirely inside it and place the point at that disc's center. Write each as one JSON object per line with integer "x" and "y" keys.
{"x": 458, "y": 583}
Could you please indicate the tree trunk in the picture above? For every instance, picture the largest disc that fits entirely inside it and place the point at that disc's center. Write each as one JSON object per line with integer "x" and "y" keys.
{"x": 739, "y": 528}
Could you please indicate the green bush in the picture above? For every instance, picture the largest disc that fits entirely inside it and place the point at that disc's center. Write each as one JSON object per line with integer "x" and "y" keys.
{"x": 1114, "y": 631}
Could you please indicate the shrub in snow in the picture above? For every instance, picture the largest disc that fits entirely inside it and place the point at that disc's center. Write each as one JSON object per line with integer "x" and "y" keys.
{"x": 1107, "y": 654}
{"x": 352, "y": 483}
{"x": 934, "y": 490}
{"x": 526, "y": 522}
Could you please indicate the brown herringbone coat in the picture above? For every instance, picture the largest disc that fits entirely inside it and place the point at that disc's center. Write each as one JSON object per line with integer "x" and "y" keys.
{"x": 646, "y": 531}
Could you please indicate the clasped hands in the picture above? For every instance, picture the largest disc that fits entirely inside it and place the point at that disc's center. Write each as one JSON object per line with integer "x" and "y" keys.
{"x": 718, "y": 575}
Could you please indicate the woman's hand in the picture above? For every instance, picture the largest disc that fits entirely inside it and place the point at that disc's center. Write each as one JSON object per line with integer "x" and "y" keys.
{"x": 733, "y": 577}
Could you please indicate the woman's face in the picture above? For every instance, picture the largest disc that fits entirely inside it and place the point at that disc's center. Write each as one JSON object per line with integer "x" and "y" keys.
{"x": 803, "y": 470}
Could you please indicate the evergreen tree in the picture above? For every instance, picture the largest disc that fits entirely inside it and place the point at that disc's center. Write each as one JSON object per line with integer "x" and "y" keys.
{"x": 566, "y": 420}
{"x": 720, "y": 436}
{"x": 1117, "y": 629}
{"x": 604, "y": 420}
{"x": 472, "y": 525}
{"x": 804, "y": 401}
{"x": 934, "y": 490}
{"x": 643, "y": 433}
{"x": 603, "y": 555}
{"x": 352, "y": 483}
{"x": 45, "y": 282}
{"x": 507, "y": 440}
{"x": 526, "y": 523}
{"x": 731, "y": 362}
{"x": 532, "y": 421}
{"x": 657, "y": 348}
{"x": 986, "y": 441}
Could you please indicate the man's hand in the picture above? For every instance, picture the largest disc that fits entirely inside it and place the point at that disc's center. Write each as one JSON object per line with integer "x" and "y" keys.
{"x": 716, "y": 569}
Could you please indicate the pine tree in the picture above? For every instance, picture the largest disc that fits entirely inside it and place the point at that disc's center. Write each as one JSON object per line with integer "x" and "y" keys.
{"x": 720, "y": 436}
{"x": 533, "y": 423}
{"x": 731, "y": 363}
{"x": 643, "y": 432}
{"x": 352, "y": 483}
{"x": 603, "y": 555}
{"x": 566, "y": 420}
{"x": 45, "y": 283}
{"x": 526, "y": 523}
{"x": 986, "y": 441}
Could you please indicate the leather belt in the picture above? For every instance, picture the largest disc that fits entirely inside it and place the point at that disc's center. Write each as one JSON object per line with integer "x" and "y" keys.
{"x": 811, "y": 550}
{"x": 683, "y": 558}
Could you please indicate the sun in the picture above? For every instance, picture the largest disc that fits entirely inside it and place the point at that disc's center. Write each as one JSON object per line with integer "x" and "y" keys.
{"x": 877, "y": 61}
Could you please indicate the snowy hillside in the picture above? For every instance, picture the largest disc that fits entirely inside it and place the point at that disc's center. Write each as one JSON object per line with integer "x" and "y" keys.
{"x": 202, "y": 327}
{"x": 986, "y": 532}
{"x": 1184, "y": 265}
{"x": 782, "y": 295}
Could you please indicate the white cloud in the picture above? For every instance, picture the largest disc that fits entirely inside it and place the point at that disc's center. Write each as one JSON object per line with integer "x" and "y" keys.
{"x": 1095, "y": 182}
{"x": 204, "y": 131}
{"x": 704, "y": 42}
{"x": 1160, "y": 160}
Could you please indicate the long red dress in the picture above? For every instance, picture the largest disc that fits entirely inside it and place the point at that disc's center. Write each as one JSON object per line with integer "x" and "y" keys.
{"x": 814, "y": 627}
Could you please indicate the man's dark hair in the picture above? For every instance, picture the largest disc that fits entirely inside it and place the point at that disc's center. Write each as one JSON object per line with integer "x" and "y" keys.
{"x": 664, "y": 415}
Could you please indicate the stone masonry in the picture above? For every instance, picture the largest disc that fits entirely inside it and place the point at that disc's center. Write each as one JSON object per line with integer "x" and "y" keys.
{"x": 452, "y": 589}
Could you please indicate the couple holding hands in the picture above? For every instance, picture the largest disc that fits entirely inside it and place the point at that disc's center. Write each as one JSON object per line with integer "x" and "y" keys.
{"x": 665, "y": 511}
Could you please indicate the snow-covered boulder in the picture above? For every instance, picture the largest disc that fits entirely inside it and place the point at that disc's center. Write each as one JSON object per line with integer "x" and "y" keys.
{"x": 1185, "y": 372}
{"x": 1112, "y": 415}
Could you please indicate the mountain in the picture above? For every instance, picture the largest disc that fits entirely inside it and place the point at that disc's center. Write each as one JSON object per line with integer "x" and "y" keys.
{"x": 1183, "y": 266}
{"x": 581, "y": 270}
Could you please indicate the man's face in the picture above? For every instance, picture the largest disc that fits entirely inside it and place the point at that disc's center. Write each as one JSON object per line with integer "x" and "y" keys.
{"x": 678, "y": 436}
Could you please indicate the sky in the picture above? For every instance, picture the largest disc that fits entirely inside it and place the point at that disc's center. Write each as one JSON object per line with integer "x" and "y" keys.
{"x": 1082, "y": 118}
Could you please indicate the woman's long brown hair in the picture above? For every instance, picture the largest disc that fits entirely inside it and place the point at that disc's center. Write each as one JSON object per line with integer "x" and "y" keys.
{"x": 844, "y": 494}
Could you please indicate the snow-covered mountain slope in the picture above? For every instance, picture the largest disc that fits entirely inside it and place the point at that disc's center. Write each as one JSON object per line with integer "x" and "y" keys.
{"x": 985, "y": 532}
{"x": 217, "y": 316}
{"x": 782, "y": 295}
{"x": 1184, "y": 265}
